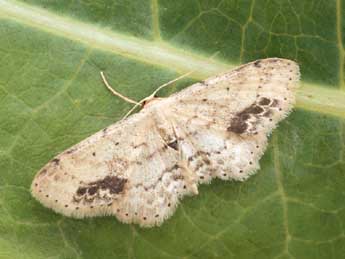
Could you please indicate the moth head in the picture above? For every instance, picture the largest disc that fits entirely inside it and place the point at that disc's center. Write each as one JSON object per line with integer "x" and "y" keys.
{"x": 149, "y": 101}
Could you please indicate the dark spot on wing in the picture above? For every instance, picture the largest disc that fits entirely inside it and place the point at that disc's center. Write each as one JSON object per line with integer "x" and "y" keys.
{"x": 71, "y": 150}
{"x": 247, "y": 119}
{"x": 253, "y": 109}
{"x": 173, "y": 144}
{"x": 264, "y": 101}
{"x": 92, "y": 190}
{"x": 175, "y": 167}
{"x": 81, "y": 191}
{"x": 268, "y": 113}
{"x": 275, "y": 103}
{"x": 113, "y": 184}
{"x": 55, "y": 161}
{"x": 207, "y": 161}
{"x": 237, "y": 125}
{"x": 43, "y": 172}
{"x": 257, "y": 63}
{"x": 244, "y": 116}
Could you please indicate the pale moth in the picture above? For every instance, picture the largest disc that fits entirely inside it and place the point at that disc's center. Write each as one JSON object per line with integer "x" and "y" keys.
{"x": 140, "y": 167}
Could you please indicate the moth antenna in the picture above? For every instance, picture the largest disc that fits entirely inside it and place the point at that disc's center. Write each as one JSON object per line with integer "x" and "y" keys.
{"x": 117, "y": 93}
{"x": 153, "y": 95}
{"x": 133, "y": 108}
{"x": 169, "y": 83}
{"x": 150, "y": 97}
{"x": 178, "y": 78}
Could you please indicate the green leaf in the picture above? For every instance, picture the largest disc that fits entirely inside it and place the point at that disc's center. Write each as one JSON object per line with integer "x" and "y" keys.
{"x": 51, "y": 97}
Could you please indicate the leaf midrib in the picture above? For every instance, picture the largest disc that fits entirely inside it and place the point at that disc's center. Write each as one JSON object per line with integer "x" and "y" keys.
{"x": 310, "y": 97}
{"x": 340, "y": 43}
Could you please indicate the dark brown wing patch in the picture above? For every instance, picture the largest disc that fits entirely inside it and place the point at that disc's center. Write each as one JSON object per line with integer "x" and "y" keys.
{"x": 245, "y": 121}
{"x": 103, "y": 189}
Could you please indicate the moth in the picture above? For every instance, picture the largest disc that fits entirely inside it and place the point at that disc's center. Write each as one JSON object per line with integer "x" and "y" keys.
{"x": 139, "y": 168}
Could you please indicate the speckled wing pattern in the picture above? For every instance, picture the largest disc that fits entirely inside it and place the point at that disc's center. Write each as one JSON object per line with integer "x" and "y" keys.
{"x": 139, "y": 168}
